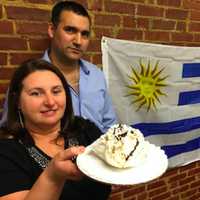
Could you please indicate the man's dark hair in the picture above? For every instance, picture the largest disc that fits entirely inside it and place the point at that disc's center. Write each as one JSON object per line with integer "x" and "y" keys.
{"x": 67, "y": 6}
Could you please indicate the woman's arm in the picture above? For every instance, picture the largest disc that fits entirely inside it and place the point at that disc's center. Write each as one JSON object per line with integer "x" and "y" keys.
{"x": 50, "y": 183}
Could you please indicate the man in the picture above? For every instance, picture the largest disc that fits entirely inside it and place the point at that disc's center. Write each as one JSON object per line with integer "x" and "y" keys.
{"x": 69, "y": 32}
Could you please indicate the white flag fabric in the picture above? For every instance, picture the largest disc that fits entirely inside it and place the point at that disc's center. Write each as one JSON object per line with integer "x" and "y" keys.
{"x": 156, "y": 88}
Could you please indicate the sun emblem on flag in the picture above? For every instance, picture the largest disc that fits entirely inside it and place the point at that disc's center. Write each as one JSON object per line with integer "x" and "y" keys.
{"x": 146, "y": 85}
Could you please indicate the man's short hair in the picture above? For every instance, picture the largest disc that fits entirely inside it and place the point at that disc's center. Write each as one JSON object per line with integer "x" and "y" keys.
{"x": 67, "y": 6}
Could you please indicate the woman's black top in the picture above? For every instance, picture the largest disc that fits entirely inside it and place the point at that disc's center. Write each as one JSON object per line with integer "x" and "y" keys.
{"x": 19, "y": 170}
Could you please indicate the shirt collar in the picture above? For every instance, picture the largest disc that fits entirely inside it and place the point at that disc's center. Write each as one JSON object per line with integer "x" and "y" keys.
{"x": 81, "y": 62}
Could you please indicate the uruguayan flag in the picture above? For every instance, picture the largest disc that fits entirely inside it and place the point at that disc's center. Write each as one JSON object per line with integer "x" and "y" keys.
{"x": 156, "y": 88}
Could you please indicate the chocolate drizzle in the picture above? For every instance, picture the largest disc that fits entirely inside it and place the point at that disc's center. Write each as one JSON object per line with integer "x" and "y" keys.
{"x": 131, "y": 153}
{"x": 119, "y": 136}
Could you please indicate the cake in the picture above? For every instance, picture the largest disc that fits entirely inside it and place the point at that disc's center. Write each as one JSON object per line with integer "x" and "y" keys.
{"x": 121, "y": 146}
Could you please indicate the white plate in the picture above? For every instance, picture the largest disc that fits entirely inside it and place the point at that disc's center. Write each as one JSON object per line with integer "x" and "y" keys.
{"x": 154, "y": 166}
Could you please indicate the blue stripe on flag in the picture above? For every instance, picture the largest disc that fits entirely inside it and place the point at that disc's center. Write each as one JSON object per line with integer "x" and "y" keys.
{"x": 173, "y": 127}
{"x": 173, "y": 150}
{"x": 190, "y": 97}
{"x": 191, "y": 70}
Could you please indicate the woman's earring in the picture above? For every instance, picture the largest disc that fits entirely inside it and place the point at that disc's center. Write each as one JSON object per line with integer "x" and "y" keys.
{"x": 20, "y": 119}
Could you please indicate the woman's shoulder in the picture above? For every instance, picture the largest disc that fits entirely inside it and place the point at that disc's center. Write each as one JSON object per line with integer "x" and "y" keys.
{"x": 13, "y": 150}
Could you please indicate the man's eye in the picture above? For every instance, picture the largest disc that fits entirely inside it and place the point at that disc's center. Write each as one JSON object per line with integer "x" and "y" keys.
{"x": 70, "y": 30}
{"x": 85, "y": 34}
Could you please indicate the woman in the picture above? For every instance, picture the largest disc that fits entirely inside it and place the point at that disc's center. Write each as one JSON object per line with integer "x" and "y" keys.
{"x": 35, "y": 145}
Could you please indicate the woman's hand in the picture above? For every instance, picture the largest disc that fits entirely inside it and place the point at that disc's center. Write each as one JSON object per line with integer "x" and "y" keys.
{"x": 61, "y": 166}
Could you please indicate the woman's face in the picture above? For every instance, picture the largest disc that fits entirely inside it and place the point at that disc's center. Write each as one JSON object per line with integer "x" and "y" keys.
{"x": 42, "y": 100}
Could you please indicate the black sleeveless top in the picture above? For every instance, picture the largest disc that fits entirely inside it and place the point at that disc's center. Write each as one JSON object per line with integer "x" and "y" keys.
{"x": 21, "y": 166}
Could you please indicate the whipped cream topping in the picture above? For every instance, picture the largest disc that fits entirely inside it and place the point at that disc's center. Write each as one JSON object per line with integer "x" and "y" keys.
{"x": 121, "y": 146}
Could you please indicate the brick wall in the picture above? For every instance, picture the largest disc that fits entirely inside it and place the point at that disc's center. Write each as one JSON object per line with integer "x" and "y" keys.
{"x": 23, "y": 25}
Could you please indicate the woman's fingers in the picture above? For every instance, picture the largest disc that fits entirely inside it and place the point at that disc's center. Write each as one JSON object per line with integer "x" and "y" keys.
{"x": 71, "y": 152}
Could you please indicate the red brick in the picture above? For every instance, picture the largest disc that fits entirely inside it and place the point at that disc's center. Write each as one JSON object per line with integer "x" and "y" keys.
{"x": 191, "y": 4}
{"x": 32, "y": 28}
{"x": 173, "y": 185}
{"x": 3, "y": 87}
{"x": 99, "y": 32}
{"x": 188, "y": 193}
{"x": 12, "y": 43}
{"x": 162, "y": 196}
{"x": 171, "y": 172}
{"x": 194, "y": 172}
{"x": 163, "y": 24}
{"x": 187, "y": 180}
{"x": 38, "y": 1}
{"x": 107, "y": 20}
{"x": 188, "y": 37}
{"x": 195, "y": 15}
{"x": 96, "y": 5}
{"x": 142, "y": 23}
{"x": 130, "y": 34}
{"x": 39, "y": 44}
{"x": 3, "y": 58}
{"x": 97, "y": 58}
{"x": 119, "y": 7}
{"x": 117, "y": 196}
{"x": 137, "y": 1}
{"x": 181, "y": 26}
{"x": 87, "y": 57}
{"x": 174, "y": 198}
{"x": 6, "y": 73}
{"x": 95, "y": 46}
{"x": 129, "y": 21}
{"x": 6, "y": 27}
{"x": 0, "y": 11}
{"x": 176, "y": 14}
{"x": 157, "y": 36}
{"x": 142, "y": 196}
{"x": 180, "y": 189}
{"x": 117, "y": 188}
{"x": 155, "y": 184}
{"x": 177, "y": 177}
{"x": 195, "y": 197}
{"x": 22, "y": 13}
{"x": 134, "y": 190}
{"x": 188, "y": 167}
{"x": 150, "y": 11}
{"x": 195, "y": 184}
{"x": 175, "y": 3}
{"x": 157, "y": 191}
{"x": 17, "y": 58}
{"x": 196, "y": 37}
{"x": 194, "y": 27}
{"x": 82, "y": 2}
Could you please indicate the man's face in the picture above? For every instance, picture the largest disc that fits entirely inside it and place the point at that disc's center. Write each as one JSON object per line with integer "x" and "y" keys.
{"x": 70, "y": 38}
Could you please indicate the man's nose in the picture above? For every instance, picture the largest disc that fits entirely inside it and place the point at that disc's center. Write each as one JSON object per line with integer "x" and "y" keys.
{"x": 78, "y": 38}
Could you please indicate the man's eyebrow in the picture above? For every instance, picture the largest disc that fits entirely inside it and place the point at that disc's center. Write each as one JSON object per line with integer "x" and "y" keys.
{"x": 75, "y": 28}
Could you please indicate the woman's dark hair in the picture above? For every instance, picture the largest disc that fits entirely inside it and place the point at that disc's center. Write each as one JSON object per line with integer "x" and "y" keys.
{"x": 67, "y": 6}
{"x": 13, "y": 125}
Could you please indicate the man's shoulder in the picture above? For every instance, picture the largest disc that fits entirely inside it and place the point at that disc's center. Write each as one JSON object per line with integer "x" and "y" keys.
{"x": 91, "y": 67}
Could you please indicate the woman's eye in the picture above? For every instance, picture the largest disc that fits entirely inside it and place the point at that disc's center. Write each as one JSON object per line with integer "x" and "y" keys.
{"x": 57, "y": 92}
{"x": 35, "y": 93}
